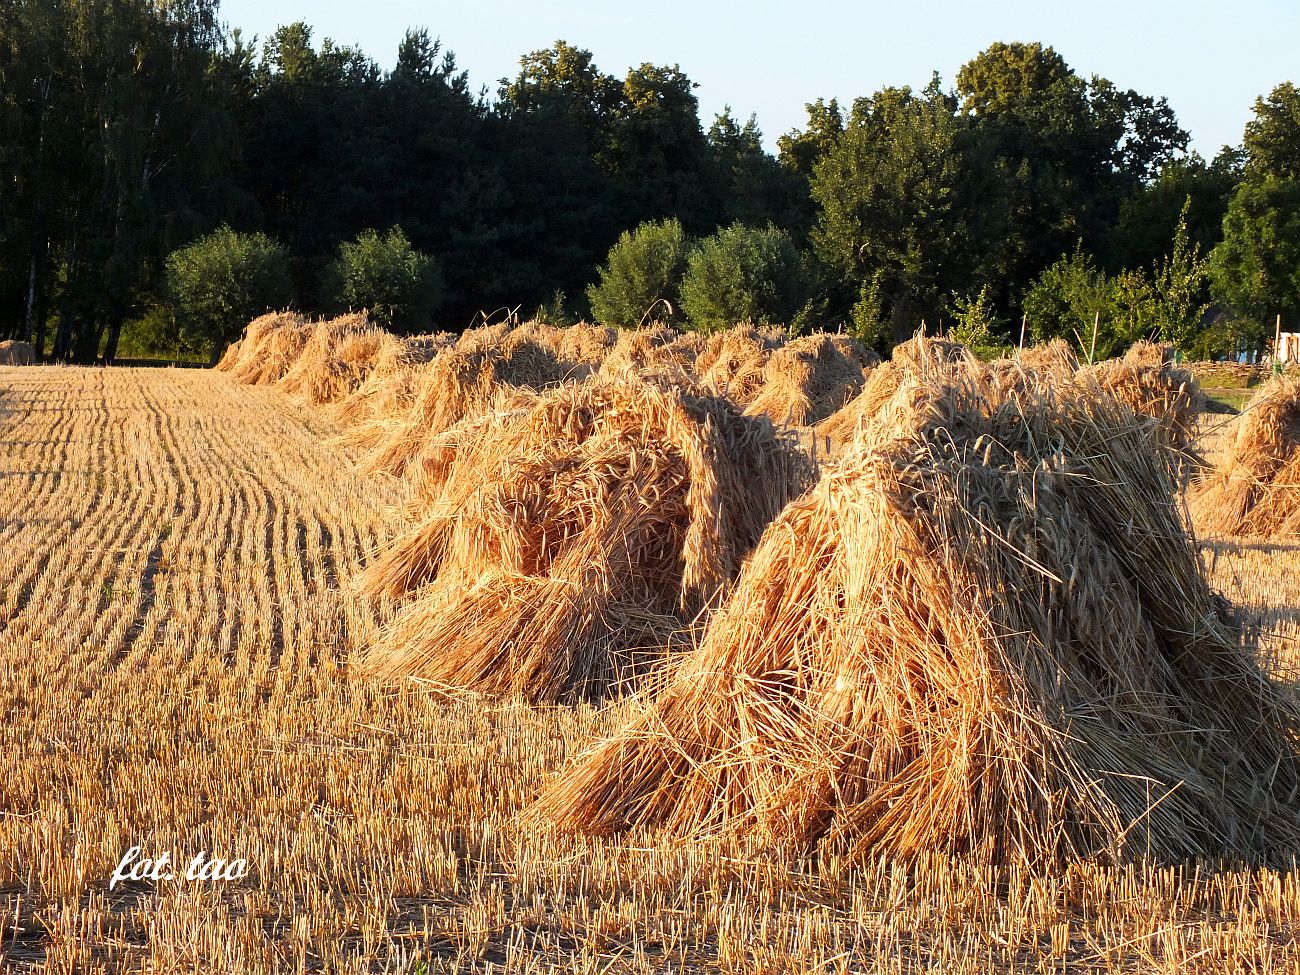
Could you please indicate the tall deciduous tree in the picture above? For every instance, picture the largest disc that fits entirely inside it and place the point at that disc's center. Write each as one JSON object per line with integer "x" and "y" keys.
{"x": 895, "y": 221}
{"x": 753, "y": 187}
{"x": 119, "y": 139}
{"x": 1069, "y": 150}
{"x": 1256, "y": 268}
{"x": 1272, "y": 138}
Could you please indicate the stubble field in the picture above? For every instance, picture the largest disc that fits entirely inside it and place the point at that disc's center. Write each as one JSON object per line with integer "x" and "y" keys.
{"x": 176, "y": 626}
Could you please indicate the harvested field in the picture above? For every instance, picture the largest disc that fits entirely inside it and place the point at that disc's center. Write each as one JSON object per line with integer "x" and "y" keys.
{"x": 175, "y": 645}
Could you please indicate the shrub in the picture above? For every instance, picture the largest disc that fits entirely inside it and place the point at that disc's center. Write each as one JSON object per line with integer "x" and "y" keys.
{"x": 398, "y": 285}
{"x": 978, "y": 327}
{"x": 221, "y": 282}
{"x": 744, "y": 274}
{"x": 644, "y": 267}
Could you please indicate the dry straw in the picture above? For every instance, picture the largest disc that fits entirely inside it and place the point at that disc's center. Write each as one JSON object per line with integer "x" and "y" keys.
{"x": 16, "y": 353}
{"x": 918, "y": 355}
{"x": 338, "y": 356}
{"x": 810, "y": 378}
{"x": 270, "y": 347}
{"x": 565, "y": 538}
{"x": 1053, "y": 360}
{"x": 230, "y": 358}
{"x": 1256, "y": 492}
{"x": 465, "y": 380}
{"x": 657, "y": 352}
{"x": 733, "y": 362}
{"x": 985, "y": 631}
{"x": 1149, "y": 381}
{"x": 390, "y": 386}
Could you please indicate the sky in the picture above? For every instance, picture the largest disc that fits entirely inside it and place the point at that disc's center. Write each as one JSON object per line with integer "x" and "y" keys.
{"x": 1211, "y": 59}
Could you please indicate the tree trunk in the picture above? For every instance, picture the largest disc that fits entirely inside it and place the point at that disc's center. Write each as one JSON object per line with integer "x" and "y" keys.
{"x": 63, "y": 337}
{"x": 114, "y": 334}
{"x": 900, "y": 315}
{"x": 29, "y": 318}
{"x": 42, "y": 319}
{"x": 88, "y": 340}
{"x": 40, "y": 246}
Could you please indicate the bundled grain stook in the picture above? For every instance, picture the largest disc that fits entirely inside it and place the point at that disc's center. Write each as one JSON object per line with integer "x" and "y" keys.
{"x": 810, "y": 378}
{"x": 336, "y": 359}
{"x": 985, "y": 631}
{"x": 271, "y": 345}
{"x": 1149, "y": 381}
{"x": 1256, "y": 491}
{"x": 16, "y": 353}
{"x": 918, "y": 356}
{"x": 465, "y": 381}
{"x": 230, "y": 358}
{"x": 733, "y": 362}
{"x": 1054, "y": 359}
{"x": 1051, "y": 364}
{"x": 391, "y": 385}
{"x": 656, "y": 352}
{"x": 564, "y": 541}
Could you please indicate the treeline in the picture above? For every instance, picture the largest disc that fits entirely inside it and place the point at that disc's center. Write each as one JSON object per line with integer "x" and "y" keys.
{"x": 160, "y": 176}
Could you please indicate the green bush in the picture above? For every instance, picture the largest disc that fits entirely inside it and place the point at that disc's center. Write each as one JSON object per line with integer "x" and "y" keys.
{"x": 643, "y": 269}
{"x": 557, "y": 311}
{"x": 745, "y": 274}
{"x": 154, "y": 334}
{"x": 978, "y": 327}
{"x": 221, "y": 282}
{"x": 398, "y": 285}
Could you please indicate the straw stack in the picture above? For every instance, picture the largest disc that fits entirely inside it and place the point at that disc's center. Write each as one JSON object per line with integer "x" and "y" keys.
{"x": 919, "y": 355}
{"x": 565, "y": 537}
{"x": 16, "y": 353}
{"x": 810, "y": 378}
{"x": 1149, "y": 381}
{"x": 986, "y": 631}
{"x": 338, "y": 355}
{"x": 733, "y": 362}
{"x": 269, "y": 348}
{"x": 1256, "y": 492}
{"x": 464, "y": 381}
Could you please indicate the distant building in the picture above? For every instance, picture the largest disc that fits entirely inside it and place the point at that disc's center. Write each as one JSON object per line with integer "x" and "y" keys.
{"x": 1288, "y": 347}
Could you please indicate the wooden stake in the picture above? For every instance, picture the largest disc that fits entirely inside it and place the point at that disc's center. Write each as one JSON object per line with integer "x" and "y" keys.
{"x": 1024, "y": 320}
{"x": 1092, "y": 352}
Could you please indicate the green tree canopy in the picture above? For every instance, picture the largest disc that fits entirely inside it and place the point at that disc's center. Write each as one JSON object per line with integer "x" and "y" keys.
{"x": 1272, "y": 138}
{"x": 801, "y": 149}
{"x": 219, "y": 283}
{"x": 643, "y": 269}
{"x": 895, "y": 222}
{"x": 745, "y": 274}
{"x": 382, "y": 273}
{"x": 1068, "y": 151}
{"x": 753, "y": 187}
{"x": 1255, "y": 270}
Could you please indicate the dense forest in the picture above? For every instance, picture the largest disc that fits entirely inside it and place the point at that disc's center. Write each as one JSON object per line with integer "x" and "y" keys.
{"x": 161, "y": 176}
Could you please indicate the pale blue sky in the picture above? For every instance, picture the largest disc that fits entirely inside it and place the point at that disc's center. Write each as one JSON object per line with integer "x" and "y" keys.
{"x": 1210, "y": 58}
